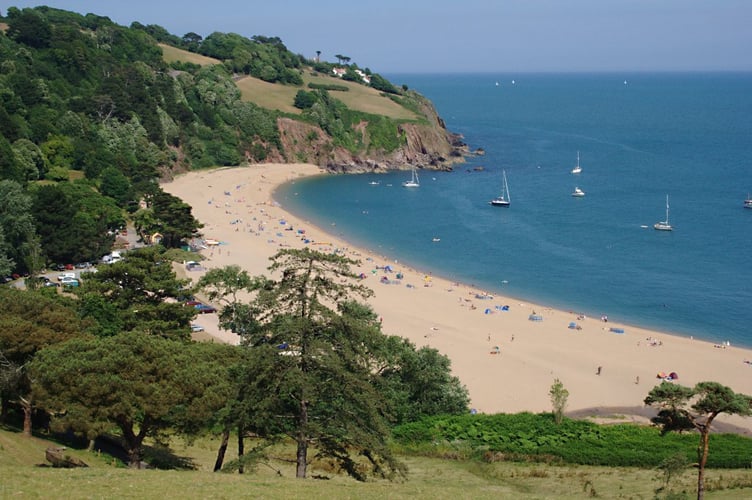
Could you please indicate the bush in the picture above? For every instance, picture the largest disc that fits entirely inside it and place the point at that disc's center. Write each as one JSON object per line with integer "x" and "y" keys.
{"x": 574, "y": 441}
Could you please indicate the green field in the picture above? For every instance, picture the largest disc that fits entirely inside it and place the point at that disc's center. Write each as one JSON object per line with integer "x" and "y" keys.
{"x": 280, "y": 97}
{"x": 435, "y": 478}
{"x": 358, "y": 97}
{"x": 170, "y": 54}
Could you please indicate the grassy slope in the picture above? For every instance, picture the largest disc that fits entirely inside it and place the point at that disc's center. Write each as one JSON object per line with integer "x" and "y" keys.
{"x": 428, "y": 478}
{"x": 171, "y": 54}
{"x": 281, "y": 97}
{"x": 358, "y": 97}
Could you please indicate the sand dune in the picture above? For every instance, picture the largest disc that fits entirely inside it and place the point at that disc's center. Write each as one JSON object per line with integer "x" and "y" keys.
{"x": 236, "y": 207}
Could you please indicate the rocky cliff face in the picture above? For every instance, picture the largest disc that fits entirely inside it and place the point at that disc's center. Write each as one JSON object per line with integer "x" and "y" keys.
{"x": 427, "y": 145}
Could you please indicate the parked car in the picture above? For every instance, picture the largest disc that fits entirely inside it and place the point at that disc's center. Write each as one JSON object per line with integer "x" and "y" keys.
{"x": 205, "y": 308}
{"x": 196, "y": 328}
{"x": 64, "y": 276}
{"x": 69, "y": 282}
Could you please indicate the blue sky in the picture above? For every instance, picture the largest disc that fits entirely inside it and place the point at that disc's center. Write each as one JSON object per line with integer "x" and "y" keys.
{"x": 499, "y": 36}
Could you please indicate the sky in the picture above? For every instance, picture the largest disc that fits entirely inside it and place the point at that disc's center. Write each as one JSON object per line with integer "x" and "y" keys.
{"x": 441, "y": 36}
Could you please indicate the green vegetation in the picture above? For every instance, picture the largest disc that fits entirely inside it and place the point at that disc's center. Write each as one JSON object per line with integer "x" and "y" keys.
{"x": 92, "y": 114}
{"x": 429, "y": 477}
{"x": 538, "y": 437}
{"x": 707, "y": 400}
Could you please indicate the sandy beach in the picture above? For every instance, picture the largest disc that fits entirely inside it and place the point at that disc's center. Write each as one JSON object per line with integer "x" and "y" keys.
{"x": 507, "y": 361}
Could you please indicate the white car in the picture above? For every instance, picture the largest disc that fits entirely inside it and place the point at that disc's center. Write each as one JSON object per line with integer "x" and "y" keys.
{"x": 66, "y": 276}
{"x": 196, "y": 328}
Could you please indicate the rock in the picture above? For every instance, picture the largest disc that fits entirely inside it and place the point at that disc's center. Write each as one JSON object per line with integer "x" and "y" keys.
{"x": 58, "y": 458}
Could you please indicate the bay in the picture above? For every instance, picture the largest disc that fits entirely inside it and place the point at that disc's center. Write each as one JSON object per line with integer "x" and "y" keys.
{"x": 640, "y": 138}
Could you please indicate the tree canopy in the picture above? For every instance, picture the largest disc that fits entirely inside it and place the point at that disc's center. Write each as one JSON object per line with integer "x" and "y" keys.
{"x": 320, "y": 371}
{"x": 142, "y": 384}
{"x": 684, "y": 408}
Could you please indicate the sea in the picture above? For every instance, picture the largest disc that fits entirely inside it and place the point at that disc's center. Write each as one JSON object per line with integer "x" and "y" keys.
{"x": 642, "y": 138}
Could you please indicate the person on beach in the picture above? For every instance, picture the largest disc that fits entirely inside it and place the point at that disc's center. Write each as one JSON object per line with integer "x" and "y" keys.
{"x": 599, "y": 370}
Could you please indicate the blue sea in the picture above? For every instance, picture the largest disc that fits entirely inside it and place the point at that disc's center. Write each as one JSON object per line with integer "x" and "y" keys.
{"x": 640, "y": 137}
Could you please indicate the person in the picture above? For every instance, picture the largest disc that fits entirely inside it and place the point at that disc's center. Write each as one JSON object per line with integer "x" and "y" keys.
{"x": 637, "y": 380}
{"x": 599, "y": 370}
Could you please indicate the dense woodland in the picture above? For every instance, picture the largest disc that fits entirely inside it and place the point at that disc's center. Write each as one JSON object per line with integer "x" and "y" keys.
{"x": 91, "y": 116}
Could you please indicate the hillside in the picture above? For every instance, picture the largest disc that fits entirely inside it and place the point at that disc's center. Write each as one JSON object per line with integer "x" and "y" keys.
{"x": 172, "y": 54}
{"x": 442, "y": 476}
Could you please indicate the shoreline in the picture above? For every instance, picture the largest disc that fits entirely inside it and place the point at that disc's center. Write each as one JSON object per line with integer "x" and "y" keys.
{"x": 506, "y": 360}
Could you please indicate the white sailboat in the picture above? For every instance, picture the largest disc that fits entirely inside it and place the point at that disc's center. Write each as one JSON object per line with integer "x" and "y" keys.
{"x": 664, "y": 225}
{"x": 414, "y": 181}
{"x": 577, "y": 168}
{"x": 503, "y": 200}
{"x": 578, "y": 193}
{"x": 748, "y": 201}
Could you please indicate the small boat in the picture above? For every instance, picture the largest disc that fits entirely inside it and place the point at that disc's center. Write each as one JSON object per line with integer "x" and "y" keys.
{"x": 748, "y": 202}
{"x": 664, "y": 225}
{"x": 577, "y": 168}
{"x": 436, "y": 240}
{"x": 578, "y": 193}
{"x": 413, "y": 182}
{"x": 503, "y": 200}
{"x": 374, "y": 183}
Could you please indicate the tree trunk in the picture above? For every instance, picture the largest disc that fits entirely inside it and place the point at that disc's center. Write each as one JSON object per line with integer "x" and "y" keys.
{"x": 302, "y": 454}
{"x": 241, "y": 448}
{"x": 703, "y": 452}
{"x": 222, "y": 450}
{"x": 133, "y": 444}
{"x": 27, "y": 411}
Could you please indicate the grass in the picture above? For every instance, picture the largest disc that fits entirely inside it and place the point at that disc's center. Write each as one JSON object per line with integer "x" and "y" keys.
{"x": 435, "y": 478}
{"x": 281, "y": 97}
{"x": 358, "y": 97}
{"x": 170, "y": 54}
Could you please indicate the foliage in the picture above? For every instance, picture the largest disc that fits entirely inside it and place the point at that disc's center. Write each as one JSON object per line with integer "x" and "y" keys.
{"x": 30, "y": 322}
{"x": 525, "y": 435}
{"x": 141, "y": 384}
{"x": 136, "y": 294}
{"x": 168, "y": 216}
{"x": 683, "y": 408}
{"x": 559, "y": 396}
{"x": 309, "y": 373}
{"x": 330, "y": 87}
{"x": 74, "y": 222}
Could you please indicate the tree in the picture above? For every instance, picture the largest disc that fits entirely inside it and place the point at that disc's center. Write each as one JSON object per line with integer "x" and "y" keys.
{"x": 708, "y": 400}
{"x": 141, "y": 384}
{"x": 309, "y": 374}
{"x": 172, "y": 218}
{"x": 30, "y": 322}
{"x": 304, "y": 100}
{"x": 17, "y": 230}
{"x": 559, "y": 396}
{"x": 137, "y": 294}
{"x": 417, "y": 382}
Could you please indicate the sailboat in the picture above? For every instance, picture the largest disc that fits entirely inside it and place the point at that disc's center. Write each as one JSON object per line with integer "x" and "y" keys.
{"x": 577, "y": 169}
{"x": 578, "y": 193}
{"x": 664, "y": 225}
{"x": 413, "y": 182}
{"x": 748, "y": 202}
{"x": 503, "y": 200}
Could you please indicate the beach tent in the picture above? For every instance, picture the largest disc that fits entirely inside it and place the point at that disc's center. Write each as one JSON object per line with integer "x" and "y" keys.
{"x": 572, "y": 325}
{"x": 488, "y": 311}
{"x": 535, "y": 317}
{"x": 660, "y": 375}
{"x": 616, "y": 330}
{"x": 673, "y": 376}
